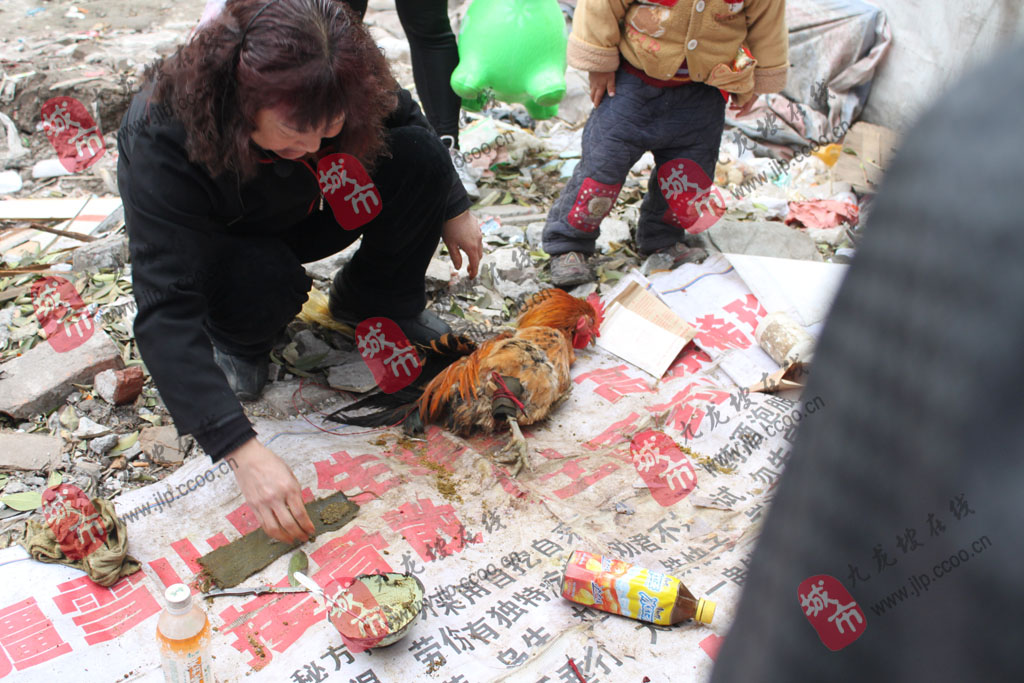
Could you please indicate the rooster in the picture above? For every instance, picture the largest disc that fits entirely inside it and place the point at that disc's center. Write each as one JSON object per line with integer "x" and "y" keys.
{"x": 514, "y": 377}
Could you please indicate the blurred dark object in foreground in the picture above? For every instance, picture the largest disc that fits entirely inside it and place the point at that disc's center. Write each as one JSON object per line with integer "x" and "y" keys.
{"x": 907, "y": 488}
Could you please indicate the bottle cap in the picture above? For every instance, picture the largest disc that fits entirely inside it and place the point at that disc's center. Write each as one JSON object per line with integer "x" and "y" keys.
{"x": 705, "y": 611}
{"x": 178, "y": 597}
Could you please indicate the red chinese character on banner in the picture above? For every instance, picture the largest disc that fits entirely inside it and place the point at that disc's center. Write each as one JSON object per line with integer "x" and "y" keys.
{"x": 663, "y": 466}
{"x": 347, "y": 187}
{"x": 352, "y": 554}
{"x": 27, "y": 637}
{"x": 72, "y": 132}
{"x": 61, "y": 313}
{"x": 688, "y": 362}
{"x": 831, "y": 610}
{"x": 433, "y": 531}
{"x": 580, "y": 478}
{"x": 439, "y": 451}
{"x": 711, "y": 645}
{"x": 694, "y": 203}
{"x": 615, "y": 434}
{"x": 614, "y": 383}
{"x": 105, "y": 613}
{"x": 685, "y": 408}
{"x": 716, "y": 333}
{"x": 388, "y": 354}
{"x": 748, "y": 310}
{"x": 356, "y": 476}
{"x": 74, "y": 521}
{"x": 272, "y": 622}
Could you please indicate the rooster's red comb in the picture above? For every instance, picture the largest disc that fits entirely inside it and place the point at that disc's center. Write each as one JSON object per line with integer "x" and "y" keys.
{"x": 595, "y": 301}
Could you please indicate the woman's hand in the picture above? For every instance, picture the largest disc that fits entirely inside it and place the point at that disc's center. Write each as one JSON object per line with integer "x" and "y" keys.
{"x": 601, "y": 82}
{"x": 272, "y": 492}
{"x": 462, "y": 234}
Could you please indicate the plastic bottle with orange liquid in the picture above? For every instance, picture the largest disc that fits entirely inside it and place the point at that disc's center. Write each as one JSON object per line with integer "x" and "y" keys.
{"x": 183, "y": 632}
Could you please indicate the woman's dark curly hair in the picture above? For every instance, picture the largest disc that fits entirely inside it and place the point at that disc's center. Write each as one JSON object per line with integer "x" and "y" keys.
{"x": 314, "y": 58}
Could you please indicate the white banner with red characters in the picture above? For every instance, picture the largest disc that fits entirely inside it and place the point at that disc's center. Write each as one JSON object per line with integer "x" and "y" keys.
{"x": 712, "y": 297}
{"x": 347, "y": 187}
{"x": 673, "y": 476}
{"x": 73, "y": 133}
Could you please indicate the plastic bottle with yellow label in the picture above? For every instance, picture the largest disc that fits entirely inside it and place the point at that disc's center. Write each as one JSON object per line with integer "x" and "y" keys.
{"x": 618, "y": 587}
{"x": 183, "y": 632}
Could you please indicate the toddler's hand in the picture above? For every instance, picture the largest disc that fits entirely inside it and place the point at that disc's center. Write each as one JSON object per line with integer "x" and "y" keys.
{"x": 601, "y": 81}
{"x": 737, "y": 110}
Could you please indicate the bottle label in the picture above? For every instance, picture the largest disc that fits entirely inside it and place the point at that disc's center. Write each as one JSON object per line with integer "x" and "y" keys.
{"x": 188, "y": 660}
{"x": 618, "y": 587}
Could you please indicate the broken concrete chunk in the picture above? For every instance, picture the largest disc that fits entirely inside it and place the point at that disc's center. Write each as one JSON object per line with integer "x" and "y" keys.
{"x": 161, "y": 444}
{"x": 612, "y": 230}
{"x": 535, "y": 234}
{"x": 311, "y": 345}
{"x": 101, "y": 445}
{"x": 439, "y": 274}
{"x": 89, "y": 468}
{"x": 354, "y": 377}
{"x": 510, "y": 263}
{"x": 41, "y": 379}
{"x": 88, "y": 429}
{"x": 108, "y": 252}
{"x": 29, "y": 451}
{"x": 279, "y": 399}
{"x": 762, "y": 238}
{"x": 120, "y": 386}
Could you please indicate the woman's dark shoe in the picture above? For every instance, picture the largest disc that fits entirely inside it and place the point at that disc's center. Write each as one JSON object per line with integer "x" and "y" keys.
{"x": 247, "y": 375}
{"x": 420, "y": 329}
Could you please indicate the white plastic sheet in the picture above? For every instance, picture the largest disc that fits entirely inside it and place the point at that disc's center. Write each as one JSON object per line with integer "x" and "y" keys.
{"x": 585, "y": 490}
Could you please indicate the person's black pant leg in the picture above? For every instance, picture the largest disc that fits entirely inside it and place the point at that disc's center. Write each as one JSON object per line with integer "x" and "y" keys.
{"x": 386, "y": 275}
{"x": 258, "y": 288}
{"x": 435, "y": 54}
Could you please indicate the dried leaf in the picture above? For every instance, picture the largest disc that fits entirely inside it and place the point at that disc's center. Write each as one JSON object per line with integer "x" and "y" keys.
{"x": 124, "y": 443}
{"x": 3, "y": 480}
{"x": 154, "y": 420}
{"x": 55, "y": 479}
{"x": 118, "y": 463}
{"x": 298, "y": 563}
{"x": 290, "y": 353}
{"x": 27, "y": 500}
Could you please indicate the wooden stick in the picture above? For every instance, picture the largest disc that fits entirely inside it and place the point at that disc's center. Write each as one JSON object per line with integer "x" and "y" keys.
{"x": 63, "y": 233}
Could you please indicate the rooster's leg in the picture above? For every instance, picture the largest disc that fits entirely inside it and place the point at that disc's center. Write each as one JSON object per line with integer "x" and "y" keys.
{"x": 515, "y": 453}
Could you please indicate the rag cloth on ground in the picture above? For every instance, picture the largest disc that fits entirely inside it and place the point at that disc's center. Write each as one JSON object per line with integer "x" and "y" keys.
{"x": 104, "y": 565}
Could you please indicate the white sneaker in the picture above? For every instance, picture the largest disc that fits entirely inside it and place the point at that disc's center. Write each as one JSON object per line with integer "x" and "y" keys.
{"x": 467, "y": 173}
